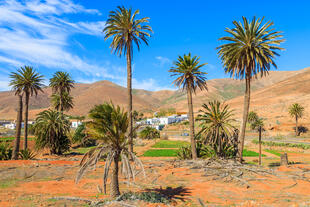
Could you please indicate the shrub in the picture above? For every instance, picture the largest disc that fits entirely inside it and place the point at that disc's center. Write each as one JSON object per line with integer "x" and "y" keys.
{"x": 81, "y": 138}
{"x": 151, "y": 197}
{"x": 5, "y": 151}
{"x": 149, "y": 133}
{"x": 26, "y": 154}
{"x": 51, "y": 129}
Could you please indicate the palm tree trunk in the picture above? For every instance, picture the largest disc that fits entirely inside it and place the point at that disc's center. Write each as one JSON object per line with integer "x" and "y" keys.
{"x": 246, "y": 107}
{"x": 129, "y": 92}
{"x": 191, "y": 123}
{"x": 26, "y": 121}
{"x": 18, "y": 128}
{"x": 260, "y": 145}
{"x": 114, "y": 181}
{"x": 296, "y": 128}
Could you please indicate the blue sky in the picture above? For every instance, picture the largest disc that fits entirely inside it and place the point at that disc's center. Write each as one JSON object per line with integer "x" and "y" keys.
{"x": 66, "y": 35}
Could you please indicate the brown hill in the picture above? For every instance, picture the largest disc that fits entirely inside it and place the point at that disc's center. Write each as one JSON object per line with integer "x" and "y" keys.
{"x": 275, "y": 91}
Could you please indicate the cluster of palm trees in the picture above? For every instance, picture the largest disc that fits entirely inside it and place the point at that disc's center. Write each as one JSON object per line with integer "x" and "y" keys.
{"x": 27, "y": 82}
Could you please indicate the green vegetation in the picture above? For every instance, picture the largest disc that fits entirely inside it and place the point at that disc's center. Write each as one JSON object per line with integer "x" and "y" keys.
{"x": 51, "y": 129}
{"x": 161, "y": 153}
{"x": 149, "y": 133}
{"x": 7, "y": 183}
{"x": 151, "y": 197}
{"x": 26, "y": 154}
{"x": 217, "y": 131}
{"x": 109, "y": 124}
{"x": 170, "y": 144}
{"x": 249, "y": 153}
{"x": 82, "y": 150}
{"x": 282, "y": 144}
{"x": 296, "y": 111}
{"x": 273, "y": 152}
{"x": 5, "y": 151}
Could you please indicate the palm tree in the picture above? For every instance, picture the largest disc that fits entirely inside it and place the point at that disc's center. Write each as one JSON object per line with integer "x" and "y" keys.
{"x": 189, "y": 77}
{"x": 110, "y": 125}
{"x": 250, "y": 51}
{"x": 296, "y": 111}
{"x": 18, "y": 127}
{"x": 127, "y": 31}
{"x": 258, "y": 123}
{"x": 62, "y": 102}
{"x": 28, "y": 82}
{"x": 51, "y": 128}
{"x": 149, "y": 133}
{"x": 61, "y": 84}
{"x": 217, "y": 128}
{"x": 252, "y": 117}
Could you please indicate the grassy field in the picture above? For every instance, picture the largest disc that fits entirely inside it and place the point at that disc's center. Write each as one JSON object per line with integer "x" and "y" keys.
{"x": 170, "y": 144}
{"x": 275, "y": 152}
{"x": 8, "y": 139}
{"x": 249, "y": 153}
{"x": 160, "y": 153}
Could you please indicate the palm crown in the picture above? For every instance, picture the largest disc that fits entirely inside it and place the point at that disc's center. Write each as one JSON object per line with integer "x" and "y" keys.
{"x": 251, "y": 48}
{"x": 123, "y": 26}
{"x": 26, "y": 80}
{"x": 296, "y": 110}
{"x": 61, "y": 82}
{"x": 189, "y": 73}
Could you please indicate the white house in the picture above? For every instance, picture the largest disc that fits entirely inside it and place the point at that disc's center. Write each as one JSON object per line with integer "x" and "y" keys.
{"x": 75, "y": 124}
{"x": 10, "y": 126}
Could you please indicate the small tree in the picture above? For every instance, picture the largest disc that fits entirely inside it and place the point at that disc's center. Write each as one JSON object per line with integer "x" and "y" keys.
{"x": 110, "y": 125}
{"x": 51, "y": 128}
{"x": 296, "y": 110}
{"x": 252, "y": 117}
{"x": 258, "y": 124}
{"x": 217, "y": 130}
{"x": 149, "y": 133}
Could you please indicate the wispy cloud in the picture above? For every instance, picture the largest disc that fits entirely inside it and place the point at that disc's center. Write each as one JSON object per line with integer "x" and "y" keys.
{"x": 163, "y": 60}
{"x": 35, "y": 32}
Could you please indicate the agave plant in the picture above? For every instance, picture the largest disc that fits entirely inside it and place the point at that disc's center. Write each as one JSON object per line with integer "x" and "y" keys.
{"x": 110, "y": 125}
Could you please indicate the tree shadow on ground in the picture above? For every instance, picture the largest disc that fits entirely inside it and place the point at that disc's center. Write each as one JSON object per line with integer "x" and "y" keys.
{"x": 178, "y": 193}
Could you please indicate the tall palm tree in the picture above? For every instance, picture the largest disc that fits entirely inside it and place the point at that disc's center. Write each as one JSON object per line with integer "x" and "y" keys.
{"x": 18, "y": 127}
{"x": 127, "y": 31}
{"x": 110, "y": 124}
{"x": 189, "y": 78}
{"x": 28, "y": 82}
{"x": 250, "y": 51}
{"x": 296, "y": 111}
{"x": 62, "y": 102}
{"x": 51, "y": 129}
{"x": 62, "y": 84}
{"x": 217, "y": 129}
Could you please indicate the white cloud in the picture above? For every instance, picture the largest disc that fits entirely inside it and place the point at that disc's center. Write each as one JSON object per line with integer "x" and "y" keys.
{"x": 33, "y": 31}
{"x": 149, "y": 85}
{"x": 163, "y": 60}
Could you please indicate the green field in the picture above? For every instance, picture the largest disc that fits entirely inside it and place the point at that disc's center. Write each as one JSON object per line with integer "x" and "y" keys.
{"x": 160, "y": 153}
{"x": 249, "y": 153}
{"x": 282, "y": 144}
{"x": 273, "y": 152}
{"x": 170, "y": 144}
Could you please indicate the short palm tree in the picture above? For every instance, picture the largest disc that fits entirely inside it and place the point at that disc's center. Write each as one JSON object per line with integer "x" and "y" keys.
{"x": 110, "y": 124}
{"x": 258, "y": 124}
{"x": 189, "y": 78}
{"x": 252, "y": 118}
{"x": 296, "y": 111}
{"x": 127, "y": 31}
{"x": 250, "y": 51}
{"x": 149, "y": 133}
{"x": 28, "y": 82}
{"x": 63, "y": 102}
{"x": 216, "y": 122}
{"x": 51, "y": 128}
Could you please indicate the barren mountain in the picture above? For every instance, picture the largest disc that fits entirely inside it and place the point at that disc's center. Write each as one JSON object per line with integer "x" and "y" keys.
{"x": 271, "y": 96}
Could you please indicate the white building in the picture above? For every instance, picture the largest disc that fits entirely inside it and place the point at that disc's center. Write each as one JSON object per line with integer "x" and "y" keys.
{"x": 10, "y": 126}
{"x": 75, "y": 124}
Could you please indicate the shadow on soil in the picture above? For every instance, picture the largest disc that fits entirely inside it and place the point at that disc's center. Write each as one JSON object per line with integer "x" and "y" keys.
{"x": 178, "y": 193}
{"x": 277, "y": 164}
